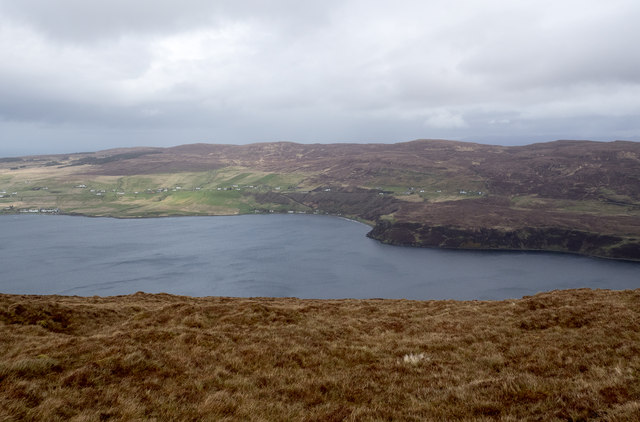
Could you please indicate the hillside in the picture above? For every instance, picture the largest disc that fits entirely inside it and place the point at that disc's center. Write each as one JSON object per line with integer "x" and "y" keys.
{"x": 564, "y": 355}
{"x": 570, "y": 196}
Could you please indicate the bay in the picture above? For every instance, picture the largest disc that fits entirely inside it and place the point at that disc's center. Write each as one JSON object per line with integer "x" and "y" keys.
{"x": 303, "y": 256}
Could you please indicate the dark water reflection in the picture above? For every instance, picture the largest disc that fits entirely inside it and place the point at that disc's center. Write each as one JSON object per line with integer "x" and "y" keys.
{"x": 270, "y": 255}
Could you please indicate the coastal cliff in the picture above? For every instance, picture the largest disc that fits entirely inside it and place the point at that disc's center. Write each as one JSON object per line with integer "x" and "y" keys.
{"x": 525, "y": 238}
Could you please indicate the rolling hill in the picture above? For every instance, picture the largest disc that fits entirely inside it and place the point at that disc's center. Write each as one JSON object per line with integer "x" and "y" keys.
{"x": 568, "y": 196}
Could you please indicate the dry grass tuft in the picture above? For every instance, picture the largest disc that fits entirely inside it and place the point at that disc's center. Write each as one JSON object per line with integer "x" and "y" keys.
{"x": 564, "y": 355}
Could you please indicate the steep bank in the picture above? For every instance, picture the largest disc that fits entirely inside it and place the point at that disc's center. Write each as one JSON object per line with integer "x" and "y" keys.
{"x": 525, "y": 238}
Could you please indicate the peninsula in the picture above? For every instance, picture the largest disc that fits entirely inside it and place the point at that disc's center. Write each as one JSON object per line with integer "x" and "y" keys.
{"x": 568, "y": 196}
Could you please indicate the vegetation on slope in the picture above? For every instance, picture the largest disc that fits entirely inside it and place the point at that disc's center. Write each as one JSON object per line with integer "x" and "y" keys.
{"x": 564, "y": 355}
{"x": 484, "y": 196}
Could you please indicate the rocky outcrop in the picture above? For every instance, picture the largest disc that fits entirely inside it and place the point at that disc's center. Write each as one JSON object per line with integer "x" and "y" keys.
{"x": 525, "y": 238}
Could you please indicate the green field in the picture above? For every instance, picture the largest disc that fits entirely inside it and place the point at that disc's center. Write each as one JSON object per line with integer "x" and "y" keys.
{"x": 221, "y": 192}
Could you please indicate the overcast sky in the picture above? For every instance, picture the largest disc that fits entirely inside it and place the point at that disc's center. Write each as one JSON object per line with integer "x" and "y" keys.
{"x": 78, "y": 75}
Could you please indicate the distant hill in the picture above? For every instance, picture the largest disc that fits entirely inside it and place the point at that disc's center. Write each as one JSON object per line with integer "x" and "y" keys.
{"x": 570, "y": 196}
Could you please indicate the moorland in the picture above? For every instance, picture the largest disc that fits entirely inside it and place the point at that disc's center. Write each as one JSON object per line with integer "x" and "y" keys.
{"x": 564, "y": 355}
{"x": 568, "y": 196}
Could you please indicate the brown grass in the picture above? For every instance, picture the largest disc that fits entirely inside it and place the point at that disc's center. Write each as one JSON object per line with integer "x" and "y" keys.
{"x": 564, "y": 355}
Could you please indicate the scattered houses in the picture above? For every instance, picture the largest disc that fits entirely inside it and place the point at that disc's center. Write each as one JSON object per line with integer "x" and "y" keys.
{"x": 40, "y": 210}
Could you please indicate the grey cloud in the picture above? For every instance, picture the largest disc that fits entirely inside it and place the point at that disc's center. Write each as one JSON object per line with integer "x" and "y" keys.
{"x": 82, "y": 21}
{"x": 168, "y": 72}
{"x": 595, "y": 48}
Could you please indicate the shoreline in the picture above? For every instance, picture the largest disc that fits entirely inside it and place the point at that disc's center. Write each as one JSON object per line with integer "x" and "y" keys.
{"x": 371, "y": 234}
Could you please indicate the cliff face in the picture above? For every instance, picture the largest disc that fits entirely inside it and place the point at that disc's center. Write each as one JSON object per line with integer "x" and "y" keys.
{"x": 525, "y": 238}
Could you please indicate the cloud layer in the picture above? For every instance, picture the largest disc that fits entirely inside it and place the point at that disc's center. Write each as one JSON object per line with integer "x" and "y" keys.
{"x": 80, "y": 75}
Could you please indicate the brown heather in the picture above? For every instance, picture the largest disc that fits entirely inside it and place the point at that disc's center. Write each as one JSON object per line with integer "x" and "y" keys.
{"x": 564, "y": 355}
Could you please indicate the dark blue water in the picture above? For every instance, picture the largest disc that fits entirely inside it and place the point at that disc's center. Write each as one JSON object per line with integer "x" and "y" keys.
{"x": 270, "y": 255}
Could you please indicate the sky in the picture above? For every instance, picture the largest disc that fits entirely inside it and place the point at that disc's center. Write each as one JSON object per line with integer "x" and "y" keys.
{"x": 79, "y": 75}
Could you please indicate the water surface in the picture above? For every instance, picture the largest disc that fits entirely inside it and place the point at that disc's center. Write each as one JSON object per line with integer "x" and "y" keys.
{"x": 271, "y": 255}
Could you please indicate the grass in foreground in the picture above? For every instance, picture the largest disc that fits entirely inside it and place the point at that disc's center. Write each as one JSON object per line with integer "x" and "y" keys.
{"x": 564, "y": 355}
